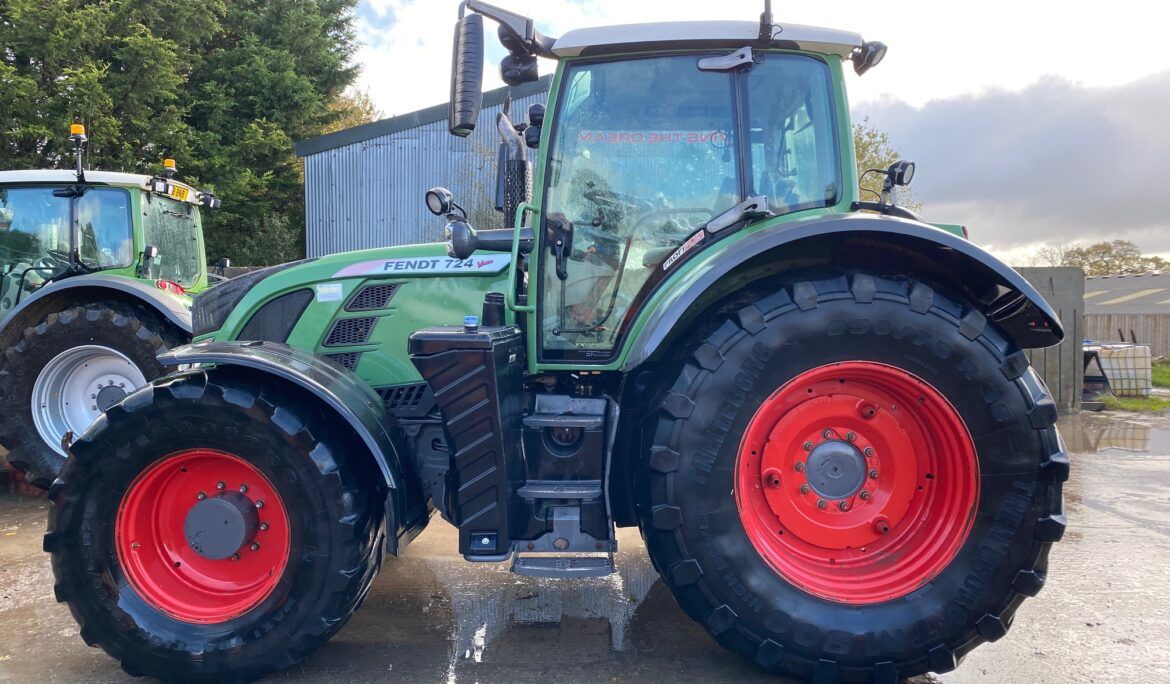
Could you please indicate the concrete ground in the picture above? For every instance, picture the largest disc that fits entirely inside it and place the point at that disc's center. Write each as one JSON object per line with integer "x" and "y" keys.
{"x": 431, "y": 617}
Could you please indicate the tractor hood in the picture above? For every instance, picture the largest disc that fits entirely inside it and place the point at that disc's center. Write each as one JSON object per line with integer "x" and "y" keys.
{"x": 356, "y": 308}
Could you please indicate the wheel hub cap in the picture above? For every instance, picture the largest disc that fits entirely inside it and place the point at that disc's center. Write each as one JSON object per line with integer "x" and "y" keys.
{"x": 220, "y": 526}
{"x": 857, "y": 482}
{"x": 836, "y": 469}
{"x": 108, "y": 396}
{"x": 202, "y": 535}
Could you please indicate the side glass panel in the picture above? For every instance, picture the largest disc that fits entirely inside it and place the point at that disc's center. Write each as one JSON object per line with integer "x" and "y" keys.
{"x": 34, "y": 240}
{"x": 793, "y": 145}
{"x": 172, "y": 226}
{"x": 105, "y": 237}
{"x": 644, "y": 154}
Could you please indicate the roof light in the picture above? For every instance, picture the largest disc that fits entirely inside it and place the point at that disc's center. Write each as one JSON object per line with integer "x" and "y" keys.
{"x": 158, "y": 185}
{"x": 868, "y": 56}
{"x": 169, "y": 167}
{"x": 77, "y": 132}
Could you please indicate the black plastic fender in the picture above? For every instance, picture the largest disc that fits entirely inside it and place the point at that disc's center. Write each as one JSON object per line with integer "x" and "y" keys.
{"x": 343, "y": 392}
{"x": 169, "y": 306}
{"x": 865, "y": 240}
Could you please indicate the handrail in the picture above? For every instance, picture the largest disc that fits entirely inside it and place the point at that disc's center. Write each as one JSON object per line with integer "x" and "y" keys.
{"x": 510, "y": 293}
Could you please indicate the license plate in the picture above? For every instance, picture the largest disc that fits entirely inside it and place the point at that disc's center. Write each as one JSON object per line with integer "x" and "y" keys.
{"x": 179, "y": 193}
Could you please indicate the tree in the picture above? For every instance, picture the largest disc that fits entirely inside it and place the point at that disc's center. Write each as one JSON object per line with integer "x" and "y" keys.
{"x": 1102, "y": 258}
{"x": 874, "y": 151}
{"x": 224, "y": 86}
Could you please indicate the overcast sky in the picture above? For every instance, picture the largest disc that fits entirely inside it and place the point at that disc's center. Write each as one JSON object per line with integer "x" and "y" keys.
{"x": 1030, "y": 121}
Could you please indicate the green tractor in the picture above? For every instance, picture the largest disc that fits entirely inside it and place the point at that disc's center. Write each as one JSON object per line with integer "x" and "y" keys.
{"x": 817, "y": 409}
{"x": 96, "y": 273}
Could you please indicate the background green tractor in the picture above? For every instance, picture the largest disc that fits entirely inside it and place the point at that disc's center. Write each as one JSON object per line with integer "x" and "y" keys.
{"x": 821, "y": 418}
{"x": 96, "y": 273}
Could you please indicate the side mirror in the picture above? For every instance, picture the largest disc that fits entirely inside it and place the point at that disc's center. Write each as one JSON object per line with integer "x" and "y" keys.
{"x": 462, "y": 239}
{"x": 149, "y": 252}
{"x": 466, "y": 76}
{"x": 223, "y": 263}
{"x": 868, "y": 56}
{"x": 901, "y": 172}
{"x": 439, "y": 201}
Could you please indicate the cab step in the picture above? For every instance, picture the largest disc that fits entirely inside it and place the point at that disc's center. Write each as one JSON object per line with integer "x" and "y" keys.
{"x": 581, "y": 490}
{"x": 563, "y": 566}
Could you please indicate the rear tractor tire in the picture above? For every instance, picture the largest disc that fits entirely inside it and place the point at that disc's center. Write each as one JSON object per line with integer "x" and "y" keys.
{"x": 854, "y": 478}
{"x": 68, "y": 368}
{"x": 214, "y": 528}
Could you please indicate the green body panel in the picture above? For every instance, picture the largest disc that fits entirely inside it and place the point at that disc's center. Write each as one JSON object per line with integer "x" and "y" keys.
{"x": 422, "y": 300}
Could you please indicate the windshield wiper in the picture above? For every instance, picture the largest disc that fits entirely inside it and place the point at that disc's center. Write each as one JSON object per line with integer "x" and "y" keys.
{"x": 750, "y": 209}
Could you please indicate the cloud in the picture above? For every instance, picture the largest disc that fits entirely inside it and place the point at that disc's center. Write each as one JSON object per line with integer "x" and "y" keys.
{"x": 1053, "y": 162}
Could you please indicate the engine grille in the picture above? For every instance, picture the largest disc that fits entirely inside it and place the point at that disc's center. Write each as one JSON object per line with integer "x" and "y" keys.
{"x": 372, "y": 297}
{"x": 408, "y": 401}
{"x": 347, "y": 359}
{"x": 350, "y": 331}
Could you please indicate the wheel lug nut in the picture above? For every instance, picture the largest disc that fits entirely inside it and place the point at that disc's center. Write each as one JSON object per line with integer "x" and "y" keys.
{"x": 255, "y": 546}
{"x": 263, "y": 526}
{"x": 868, "y": 451}
{"x": 804, "y": 489}
{"x": 772, "y": 478}
{"x": 243, "y": 489}
{"x": 821, "y": 503}
{"x": 844, "y": 506}
{"x": 235, "y": 556}
{"x": 873, "y": 474}
{"x": 864, "y": 495}
{"x": 799, "y": 467}
{"x": 827, "y": 434}
{"x": 201, "y": 496}
{"x": 808, "y": 446}
{"x": 220, "y": 486}
{"x": 93, "y": 396}
{"x": 852, "y": 436}
{"x": 260, "y": 504}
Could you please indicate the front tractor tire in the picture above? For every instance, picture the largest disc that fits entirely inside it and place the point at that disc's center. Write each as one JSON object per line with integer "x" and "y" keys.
{"x": 852, "y": 478}
{"x": 214, "y": 526}
{"x": 64, "y": 371}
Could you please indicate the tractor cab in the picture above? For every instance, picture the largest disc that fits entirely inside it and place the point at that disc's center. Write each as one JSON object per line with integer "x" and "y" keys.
{"x": 56, "y": 224}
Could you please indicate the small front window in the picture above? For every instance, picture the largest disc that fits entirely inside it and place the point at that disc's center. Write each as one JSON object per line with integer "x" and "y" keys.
{"x": 173, "y": 227}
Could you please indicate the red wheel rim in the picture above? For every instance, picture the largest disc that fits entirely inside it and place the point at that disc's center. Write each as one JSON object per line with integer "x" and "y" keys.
{"x": 846, "y": 538}
{"x": 163, "y": 567}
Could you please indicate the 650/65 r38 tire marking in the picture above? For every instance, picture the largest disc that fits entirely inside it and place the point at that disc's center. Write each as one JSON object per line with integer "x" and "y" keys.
{"x": 162, "y": 554}
{"x": 857, "y": 482}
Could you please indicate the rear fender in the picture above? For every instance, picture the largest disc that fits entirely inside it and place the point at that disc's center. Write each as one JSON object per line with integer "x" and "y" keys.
{"x": 881, "y": 245}
{"x": 344, "y": 394}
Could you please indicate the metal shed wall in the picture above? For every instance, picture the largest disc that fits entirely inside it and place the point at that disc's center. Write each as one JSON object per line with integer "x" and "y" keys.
{"x": 364, "y": 190}
{"x": 1062, "y": 366}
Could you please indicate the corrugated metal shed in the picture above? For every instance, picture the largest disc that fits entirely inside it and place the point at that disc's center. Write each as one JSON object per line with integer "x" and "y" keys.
{"x": 364, "y": 186}
{"x": 1129, "y": 308}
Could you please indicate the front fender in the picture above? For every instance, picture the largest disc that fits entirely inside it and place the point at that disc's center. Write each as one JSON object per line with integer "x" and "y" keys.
{"x": 175, "y": 309}
{"x": 857, "y": 241}
{"x": 342, "y": 392}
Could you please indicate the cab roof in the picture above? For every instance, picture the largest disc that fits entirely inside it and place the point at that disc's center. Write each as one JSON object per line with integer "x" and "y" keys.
{"x": 118, "y": 178}
{"x": 604, "y": 40}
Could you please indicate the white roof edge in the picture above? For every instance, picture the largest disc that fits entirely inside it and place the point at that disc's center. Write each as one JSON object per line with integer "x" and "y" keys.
{"x": 696, "y": 33}
{"x": 120, "y": 178}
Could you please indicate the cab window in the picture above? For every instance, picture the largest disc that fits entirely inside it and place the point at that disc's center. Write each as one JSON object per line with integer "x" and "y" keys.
{"x": 34, "y": 240}
{"x": 645, "y": 153}
{"x": 104, "y": 229}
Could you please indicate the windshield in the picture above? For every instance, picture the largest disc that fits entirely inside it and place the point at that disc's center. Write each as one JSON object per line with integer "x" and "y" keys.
{"x": 646, "y": 152}
{"x": 173, "y": 227}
